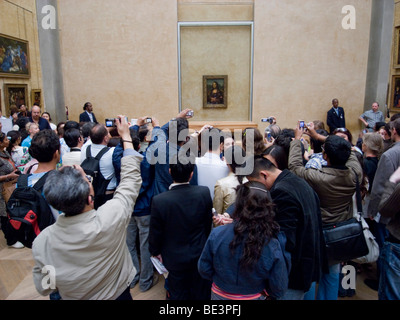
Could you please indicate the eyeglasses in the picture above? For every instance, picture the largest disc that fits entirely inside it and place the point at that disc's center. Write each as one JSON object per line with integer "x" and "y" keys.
{"x": 323, "y": 148}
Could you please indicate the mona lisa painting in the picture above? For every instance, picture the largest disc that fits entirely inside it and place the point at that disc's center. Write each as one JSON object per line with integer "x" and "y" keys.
{"x": 215, "y": 91}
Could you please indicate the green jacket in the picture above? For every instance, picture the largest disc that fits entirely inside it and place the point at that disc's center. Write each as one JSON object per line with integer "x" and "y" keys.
{"x": 335, "y": 186}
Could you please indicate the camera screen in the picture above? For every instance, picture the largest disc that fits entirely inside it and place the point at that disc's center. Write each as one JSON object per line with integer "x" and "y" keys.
{"x": 109, "y": 123}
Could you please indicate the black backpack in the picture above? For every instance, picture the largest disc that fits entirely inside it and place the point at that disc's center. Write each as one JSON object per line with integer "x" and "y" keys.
{"x": 91, "y": 166}
{"x": 28, "y": 211}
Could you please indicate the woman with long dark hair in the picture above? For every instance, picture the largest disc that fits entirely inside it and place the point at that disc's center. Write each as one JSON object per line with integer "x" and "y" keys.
{"x": 245, "y": 259}
{"x": 19, "y": 154}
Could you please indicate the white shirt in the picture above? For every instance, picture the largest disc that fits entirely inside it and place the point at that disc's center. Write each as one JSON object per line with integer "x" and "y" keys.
{"x": 72, "y": 158}
{"x": 106, "y": 164}
{"x": 90, "y": 116}
{"x": 210, "y": 168}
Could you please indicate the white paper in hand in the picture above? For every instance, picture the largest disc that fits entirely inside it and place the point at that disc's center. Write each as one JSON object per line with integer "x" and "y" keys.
{"x": 159, "y": 266}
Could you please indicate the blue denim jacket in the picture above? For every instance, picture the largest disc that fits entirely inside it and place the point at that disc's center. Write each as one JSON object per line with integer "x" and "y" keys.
{"x": 217, "y": 264}
{"x": 155, "y": 176}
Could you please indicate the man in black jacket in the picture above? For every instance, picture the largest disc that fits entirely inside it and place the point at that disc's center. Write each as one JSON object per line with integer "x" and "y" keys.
{"x": 335, "y": 117}
{"x": 299, "y": 216}
{"x": 87, "y": 115}
{"x": 180, "y": 223}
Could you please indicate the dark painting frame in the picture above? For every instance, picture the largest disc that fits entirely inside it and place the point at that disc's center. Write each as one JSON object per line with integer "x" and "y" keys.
{"x": 217, "y": 96}
{"x": 15, "y": 94}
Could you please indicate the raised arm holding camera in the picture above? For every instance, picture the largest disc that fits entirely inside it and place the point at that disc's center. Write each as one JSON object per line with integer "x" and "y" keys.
{"x": 86, "y": 248}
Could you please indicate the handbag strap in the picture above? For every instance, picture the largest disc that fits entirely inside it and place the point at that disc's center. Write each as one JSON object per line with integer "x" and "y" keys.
{"x": 358, "y": 193}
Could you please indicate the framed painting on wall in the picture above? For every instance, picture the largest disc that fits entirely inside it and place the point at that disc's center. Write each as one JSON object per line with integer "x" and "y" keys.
{"x": 15, "y": 95}
{"x": 396, "y": 56}
{"x": 395, "y": 94}
{"x": 215, "y": 91}
{"x": 14, "y": 57}
{"x": 36, "y": 97}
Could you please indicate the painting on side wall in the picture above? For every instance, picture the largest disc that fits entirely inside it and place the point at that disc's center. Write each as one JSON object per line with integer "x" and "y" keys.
{"x": 215, "y": 91}
{"x": 395, "y": 96}
{"x": 36, "y": 97}
{"x": 396, "y": 57}
{"x": 15, "y": 95}
{"x": 14, "y": 57}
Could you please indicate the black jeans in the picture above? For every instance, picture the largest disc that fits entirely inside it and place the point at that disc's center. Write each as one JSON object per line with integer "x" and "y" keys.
{"x": 126, "y": 295}
{"x": 188, "y": 285}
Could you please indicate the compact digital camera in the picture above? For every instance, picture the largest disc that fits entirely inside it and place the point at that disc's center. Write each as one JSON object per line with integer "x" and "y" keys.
{"x": 270, "y": 120}
{"x": 110, "y": 122}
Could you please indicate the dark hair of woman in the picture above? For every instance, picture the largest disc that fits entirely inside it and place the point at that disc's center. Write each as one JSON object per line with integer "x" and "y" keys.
{"x": 234, "y": 154}
{"x": 346, "y": 132}
{"x": 254, "y": 223}
{"x": 14, "y": 135}
{"x": 258, "y": 141}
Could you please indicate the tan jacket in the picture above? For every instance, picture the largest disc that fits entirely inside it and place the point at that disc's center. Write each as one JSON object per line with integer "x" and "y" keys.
{"x": 88, "y": 252}
{"x": 335, "y": 187}
{"x": 225, "y": 193}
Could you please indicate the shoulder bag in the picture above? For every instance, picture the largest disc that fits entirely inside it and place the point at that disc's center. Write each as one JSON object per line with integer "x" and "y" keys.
{"x": 345, "y": 240}
{"x": 373, "y": 247}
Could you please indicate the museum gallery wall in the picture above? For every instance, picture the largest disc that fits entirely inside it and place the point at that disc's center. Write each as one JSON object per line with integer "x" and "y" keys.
{"x": 20, "y": 70}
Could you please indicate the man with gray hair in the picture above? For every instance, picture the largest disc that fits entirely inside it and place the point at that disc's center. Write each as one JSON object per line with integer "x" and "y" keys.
{"x": 84, "y": 254}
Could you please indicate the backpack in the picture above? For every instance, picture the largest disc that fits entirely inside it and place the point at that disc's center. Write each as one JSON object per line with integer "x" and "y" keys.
{"x": 28, "y": 211}
{"x": 91, "y": 166}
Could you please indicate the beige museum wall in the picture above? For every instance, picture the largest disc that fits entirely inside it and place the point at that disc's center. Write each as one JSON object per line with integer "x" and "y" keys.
{"x": 121, "y": 56}
{"x": 304, "y": 58}
{"x": 18, "y": 19}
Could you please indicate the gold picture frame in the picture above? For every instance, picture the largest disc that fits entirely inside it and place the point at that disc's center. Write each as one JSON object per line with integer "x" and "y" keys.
{"x": 396, "y": 53}
{"x": 36, "y": 97}
{"x": 395, "y": 94}
{"x": 215, "y": 92}
{"x": 15, "y": 94}
{"x": 14, "y": 57}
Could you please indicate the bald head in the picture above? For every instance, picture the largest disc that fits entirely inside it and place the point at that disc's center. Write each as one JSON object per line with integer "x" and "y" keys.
{"x": 98, "y": 133}
{"x": 35, "y": 113}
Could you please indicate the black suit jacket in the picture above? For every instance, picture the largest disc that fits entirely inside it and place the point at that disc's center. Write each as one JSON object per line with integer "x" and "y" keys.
{"x": 181, "y": 221}
{"x": 299, "y": 216}
{"x": 84, "y": 117}
{"x": 333, "y": 120}
{"x": 43, "y": 123}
